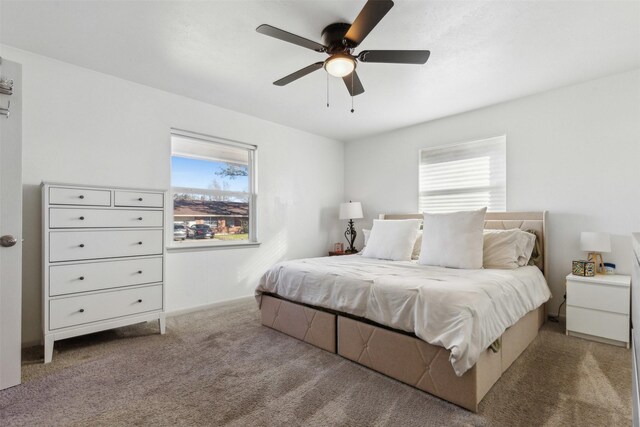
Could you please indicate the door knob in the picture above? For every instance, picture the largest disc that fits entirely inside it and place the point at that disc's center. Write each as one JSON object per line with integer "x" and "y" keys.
{"x": 8, "y": 240}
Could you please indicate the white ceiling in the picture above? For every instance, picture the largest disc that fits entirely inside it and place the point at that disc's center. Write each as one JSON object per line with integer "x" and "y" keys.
{"x": 482, "y": 52}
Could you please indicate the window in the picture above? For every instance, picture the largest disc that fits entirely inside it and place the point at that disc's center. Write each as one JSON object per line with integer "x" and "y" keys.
{"x": 213, "y": 189}
{"x": 464, "y": 176}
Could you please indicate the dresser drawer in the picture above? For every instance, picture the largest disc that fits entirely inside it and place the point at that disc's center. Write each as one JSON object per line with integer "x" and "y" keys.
{"x": 80, "y": 245}
{"x": 88, "y": 218}
{"x": 79, "y": 196}
{"x": 139, "y": 198}
{"x": 598, "y": 296}
{"x": 78, "y": 310}
{"x": 598, "y": 323}
{"x": 94, "y": 276}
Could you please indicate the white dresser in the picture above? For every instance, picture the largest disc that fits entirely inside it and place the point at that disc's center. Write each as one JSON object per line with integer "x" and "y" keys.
{"x": 103, "y": 259}
{"x": 598, "y": 308}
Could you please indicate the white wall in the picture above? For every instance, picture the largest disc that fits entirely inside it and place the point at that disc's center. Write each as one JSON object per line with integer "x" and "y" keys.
{"x": 573, "y": 151}
{"x": 81, "y": 126}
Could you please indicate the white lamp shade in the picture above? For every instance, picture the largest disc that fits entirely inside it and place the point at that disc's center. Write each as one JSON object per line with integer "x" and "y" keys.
{"x": 351, "y": 210}
{"x": 591, "y": 241}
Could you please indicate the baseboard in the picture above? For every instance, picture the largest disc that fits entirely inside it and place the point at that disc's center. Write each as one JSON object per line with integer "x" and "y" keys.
{"x": 207, "y": 306}
{"x": 598, "y": 339}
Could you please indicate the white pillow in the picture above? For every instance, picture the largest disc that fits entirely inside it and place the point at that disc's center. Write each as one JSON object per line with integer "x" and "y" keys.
{"x": 526, "y": 244}
{"x": 366, "y": 233}
{"x": 392, "y": 239}
{"x": 502, "y": 248}
{"x": 415, "y": 254}
{"x": 453, "y": 239}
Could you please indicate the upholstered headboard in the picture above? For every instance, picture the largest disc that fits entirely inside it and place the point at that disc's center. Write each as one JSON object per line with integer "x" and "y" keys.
{"x": 528, "y": 221}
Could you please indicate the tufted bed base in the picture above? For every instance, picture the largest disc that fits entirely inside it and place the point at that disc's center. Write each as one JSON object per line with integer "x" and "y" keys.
{"x": 400, "y": 355}
{"x": 404, "y": 357}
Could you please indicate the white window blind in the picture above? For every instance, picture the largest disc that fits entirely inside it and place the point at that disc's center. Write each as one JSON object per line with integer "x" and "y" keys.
{"x": 464, "y": 176}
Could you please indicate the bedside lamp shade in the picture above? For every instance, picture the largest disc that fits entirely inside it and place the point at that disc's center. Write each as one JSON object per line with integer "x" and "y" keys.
{"x": 595, "y": 242}
{"x": 351, "y": 210}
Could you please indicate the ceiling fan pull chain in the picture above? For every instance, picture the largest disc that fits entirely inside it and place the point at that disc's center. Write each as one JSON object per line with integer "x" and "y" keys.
{"x": 352, "y": 110}
{"x": 327, "y": 90}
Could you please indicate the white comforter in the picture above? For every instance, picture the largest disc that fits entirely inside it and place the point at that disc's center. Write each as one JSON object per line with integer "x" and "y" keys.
{"x": 463, "y": 311}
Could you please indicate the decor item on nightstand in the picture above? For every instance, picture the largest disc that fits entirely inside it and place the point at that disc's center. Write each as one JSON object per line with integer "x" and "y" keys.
{"x": 583, "y": 268}
{"x": 338, "y": 248}
{"x": 589, "y": 269}
{"x": 577, "y": 268}
{"x": 609, "y": 268}
{"x": 351, "y": 211}
{"x": 595, "y": 243}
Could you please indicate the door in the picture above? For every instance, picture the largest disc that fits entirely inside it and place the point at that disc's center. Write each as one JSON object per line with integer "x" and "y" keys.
{"x": 10, "y": 226}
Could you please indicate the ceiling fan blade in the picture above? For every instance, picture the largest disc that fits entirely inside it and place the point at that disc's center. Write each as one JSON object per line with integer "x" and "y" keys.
{"x": 395, "y": 56}
{"x": 369, "y": 16}
{"x": 356, "y": 84}
{"x": 289, "y": 37}
{"x": 300, "y": 73}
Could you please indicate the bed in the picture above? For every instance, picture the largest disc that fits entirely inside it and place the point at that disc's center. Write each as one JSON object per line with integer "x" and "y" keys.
{"x": 451, "y": 333}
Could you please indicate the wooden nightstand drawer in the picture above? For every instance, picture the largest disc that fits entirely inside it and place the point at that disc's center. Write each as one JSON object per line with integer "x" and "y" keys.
{"x": 598, "y": 323}
{"x": 598, "y": 296}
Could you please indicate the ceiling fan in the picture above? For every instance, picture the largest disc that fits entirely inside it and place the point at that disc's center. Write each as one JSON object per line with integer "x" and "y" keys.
{"x": 340, "y": 40}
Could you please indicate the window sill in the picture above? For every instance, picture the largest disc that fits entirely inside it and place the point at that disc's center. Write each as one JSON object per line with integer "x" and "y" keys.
{"x": 205, "y": 246}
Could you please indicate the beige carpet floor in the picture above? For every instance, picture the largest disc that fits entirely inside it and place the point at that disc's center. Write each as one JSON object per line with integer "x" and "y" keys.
{"x": 221, "y": 367}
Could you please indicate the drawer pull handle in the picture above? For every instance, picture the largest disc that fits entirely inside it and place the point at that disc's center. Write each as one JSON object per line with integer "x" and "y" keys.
{"x": 139, "y": 300}
{"x": 139, "y": 271}
{"x": 82, "y": 245}
{"x": 139, "y": 199}
{"x": 81, "y": 310}
{"x": 139, "y": 243}
{"x": 81, "y": 277}
{"x": 82, "y": 196}
{"x": 139, "y": 218}
{"x": 81, "y": 218}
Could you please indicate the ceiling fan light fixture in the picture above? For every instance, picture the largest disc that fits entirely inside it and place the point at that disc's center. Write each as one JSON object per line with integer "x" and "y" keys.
{"x": 340, "y": 65}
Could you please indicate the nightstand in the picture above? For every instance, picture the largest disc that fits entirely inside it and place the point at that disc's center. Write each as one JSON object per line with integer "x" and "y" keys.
{"x": 340, "y": 253}
{"x": 598, "y": 308}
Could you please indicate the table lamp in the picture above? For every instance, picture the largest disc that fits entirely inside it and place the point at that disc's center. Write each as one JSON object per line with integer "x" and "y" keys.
{"x": 595, "y": 243}
{"x": 351, "y": 211}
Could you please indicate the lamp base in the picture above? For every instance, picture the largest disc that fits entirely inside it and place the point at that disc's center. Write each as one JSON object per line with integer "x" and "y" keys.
{"x": 596, "y": 257}
{"x": 350, "y": 235}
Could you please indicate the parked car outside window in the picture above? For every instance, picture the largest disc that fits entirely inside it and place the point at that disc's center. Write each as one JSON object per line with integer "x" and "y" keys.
{"x": 202, "y": 231}
{"x": 179, "y": 232}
